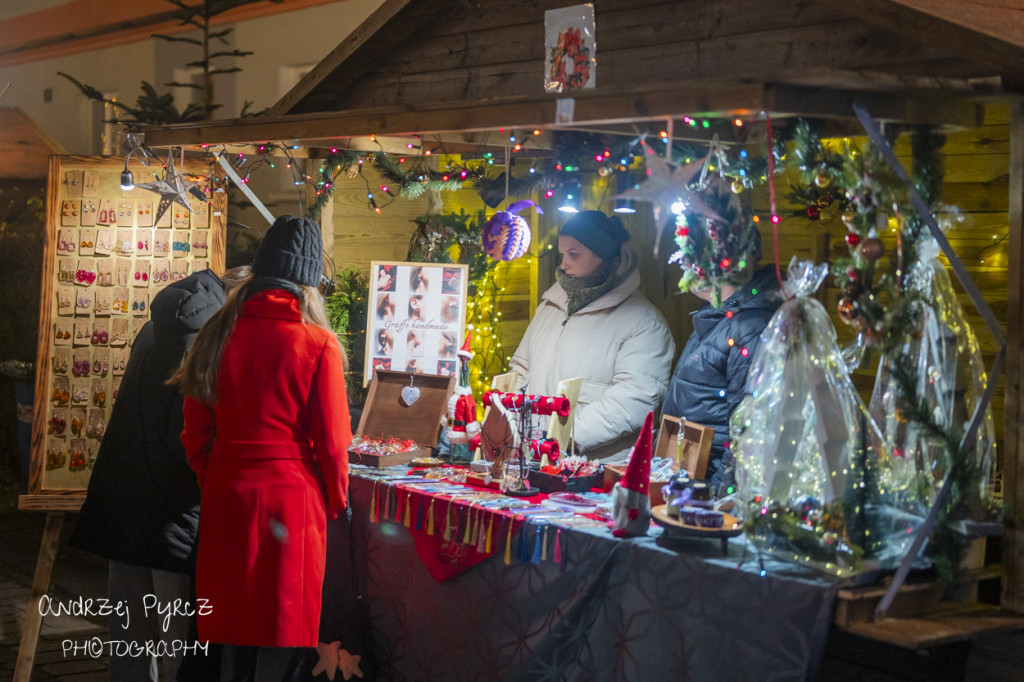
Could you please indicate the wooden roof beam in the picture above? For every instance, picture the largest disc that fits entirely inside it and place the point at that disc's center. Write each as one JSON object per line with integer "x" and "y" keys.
{"x": 592, "y": 108}
{"x": 513, "y": 112}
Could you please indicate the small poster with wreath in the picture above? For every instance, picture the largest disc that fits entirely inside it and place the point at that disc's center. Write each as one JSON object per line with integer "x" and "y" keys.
{"x": 570, "y": 48}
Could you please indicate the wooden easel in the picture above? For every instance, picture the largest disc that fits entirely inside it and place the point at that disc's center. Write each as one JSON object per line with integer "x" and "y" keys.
{"x": 55, "y": 507}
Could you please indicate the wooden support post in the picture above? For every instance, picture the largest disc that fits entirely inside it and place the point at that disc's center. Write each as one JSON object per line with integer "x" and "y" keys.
{"x": 1013, "y": 450}
{"x": 40, "y": 585}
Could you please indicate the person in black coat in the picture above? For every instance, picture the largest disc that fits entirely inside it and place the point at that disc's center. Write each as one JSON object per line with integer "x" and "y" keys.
{"x": 141, "y": 510}
{"x": 708, "y": 381}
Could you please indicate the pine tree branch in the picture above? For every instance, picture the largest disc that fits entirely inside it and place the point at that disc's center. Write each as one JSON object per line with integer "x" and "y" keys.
{"x": 230, "y": 53}
{"x": 175, "y": 39}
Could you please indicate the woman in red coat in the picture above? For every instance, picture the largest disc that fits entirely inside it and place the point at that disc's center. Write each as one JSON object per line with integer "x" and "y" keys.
{"x": 266, "y": 431}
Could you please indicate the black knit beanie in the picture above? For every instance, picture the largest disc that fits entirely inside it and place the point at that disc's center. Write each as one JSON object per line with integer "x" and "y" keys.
{"x": 291, "y": 249}
{"x": 601, "y": 234}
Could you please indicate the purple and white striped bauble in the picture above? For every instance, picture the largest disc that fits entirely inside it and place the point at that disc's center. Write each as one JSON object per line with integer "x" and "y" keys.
{"x": 506, "y": 236}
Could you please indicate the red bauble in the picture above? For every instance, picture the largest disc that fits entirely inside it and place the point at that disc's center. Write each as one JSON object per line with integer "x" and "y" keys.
{"x": 853, "y": 239}
{"x": 813, "y": 212}
{"x": 847, "y": 309}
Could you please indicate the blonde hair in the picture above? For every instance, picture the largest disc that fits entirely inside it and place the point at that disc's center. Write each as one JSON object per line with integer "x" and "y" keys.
{"x": 236, "y": 277}
{"x": 197, "y": 376}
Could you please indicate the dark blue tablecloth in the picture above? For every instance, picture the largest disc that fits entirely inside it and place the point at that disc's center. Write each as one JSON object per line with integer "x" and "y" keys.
{"x": 614, "y": 610}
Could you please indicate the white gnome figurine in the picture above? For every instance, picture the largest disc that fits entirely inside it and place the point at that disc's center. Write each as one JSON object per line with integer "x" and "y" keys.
{"x": 462, "y": 422}
{"x": 631, "y": 506}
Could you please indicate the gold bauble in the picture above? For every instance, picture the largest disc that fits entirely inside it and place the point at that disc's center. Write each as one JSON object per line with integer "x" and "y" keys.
{"x": 737, "y": 186}
{"x": 822, "y": 180}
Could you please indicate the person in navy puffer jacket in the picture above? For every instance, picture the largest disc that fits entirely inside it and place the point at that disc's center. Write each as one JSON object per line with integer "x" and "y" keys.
{"x": 709, "y": 379}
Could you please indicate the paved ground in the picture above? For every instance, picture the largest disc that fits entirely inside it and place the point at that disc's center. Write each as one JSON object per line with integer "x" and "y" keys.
{"x": 75, "y": 574}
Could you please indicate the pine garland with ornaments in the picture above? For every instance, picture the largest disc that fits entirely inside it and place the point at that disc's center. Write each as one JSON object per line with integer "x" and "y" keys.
{"x": 897, "y": 296}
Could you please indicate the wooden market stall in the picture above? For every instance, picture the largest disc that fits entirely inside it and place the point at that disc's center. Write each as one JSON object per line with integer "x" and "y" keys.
{"x": 462, "y": 75}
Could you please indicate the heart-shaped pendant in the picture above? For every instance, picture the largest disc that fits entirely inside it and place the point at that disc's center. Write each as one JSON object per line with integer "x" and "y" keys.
{"x": 410, "y": 394}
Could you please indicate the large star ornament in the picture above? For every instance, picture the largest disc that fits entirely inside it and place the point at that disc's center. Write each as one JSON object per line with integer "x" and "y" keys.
{"x": 173, "y": 189}
{"x": 666, "y": 185}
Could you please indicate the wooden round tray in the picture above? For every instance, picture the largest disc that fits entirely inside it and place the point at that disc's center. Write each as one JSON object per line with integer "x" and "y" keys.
{"x": 731, "y": 526}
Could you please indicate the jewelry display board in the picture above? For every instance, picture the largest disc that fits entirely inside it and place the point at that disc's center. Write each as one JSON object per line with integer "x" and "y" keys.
{"x": 108, "y": 251}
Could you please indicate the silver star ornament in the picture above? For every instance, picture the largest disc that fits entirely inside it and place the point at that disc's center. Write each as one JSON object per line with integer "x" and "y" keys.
{"x": 172, "y": 189}
{"x": 666, "y": 185}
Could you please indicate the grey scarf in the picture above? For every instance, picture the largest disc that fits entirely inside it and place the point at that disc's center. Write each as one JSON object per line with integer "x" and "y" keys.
{"x": 582, "y": 291}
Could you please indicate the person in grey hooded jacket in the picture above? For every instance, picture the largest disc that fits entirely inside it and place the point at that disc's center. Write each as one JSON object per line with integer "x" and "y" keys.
{"x": 141, "y": 509}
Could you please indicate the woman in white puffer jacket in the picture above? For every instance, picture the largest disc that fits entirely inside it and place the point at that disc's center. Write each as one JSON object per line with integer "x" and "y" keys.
{"x": 594, "y": 323}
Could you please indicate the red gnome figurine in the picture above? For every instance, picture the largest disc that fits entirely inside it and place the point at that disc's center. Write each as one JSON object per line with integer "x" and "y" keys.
{"x": 462, "y": 423}
{"x": 631, "y": 507}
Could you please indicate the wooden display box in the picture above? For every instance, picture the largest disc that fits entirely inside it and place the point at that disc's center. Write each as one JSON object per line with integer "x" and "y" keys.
{"x": 612, "y": 474}
{"x": 696, "y": 452}
{"x": 387, "y": 416}
{"x": 696, "y": 448}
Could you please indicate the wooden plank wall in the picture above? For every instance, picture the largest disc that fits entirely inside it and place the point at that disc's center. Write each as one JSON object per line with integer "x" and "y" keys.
{"x": 690, "y": 39}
